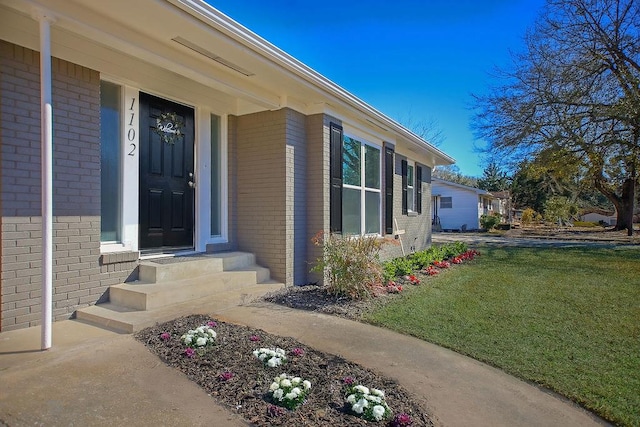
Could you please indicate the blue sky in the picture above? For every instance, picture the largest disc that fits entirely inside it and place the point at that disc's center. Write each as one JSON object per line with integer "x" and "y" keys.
{"x": 417, "y": 60}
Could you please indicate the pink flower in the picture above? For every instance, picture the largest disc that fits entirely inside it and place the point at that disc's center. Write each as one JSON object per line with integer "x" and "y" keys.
{"x": 189, "y": 352}
{"x": 297, "y": 351}
{"x": 254, "y": 338}
{"x": 348, "y": 380}
{"x": 212, "y": 324}
{"x": 225, "y": 376}
{"x": 275, "y": 411}
{"x": 401, "y": 420}
{"x": 165, "y": 336}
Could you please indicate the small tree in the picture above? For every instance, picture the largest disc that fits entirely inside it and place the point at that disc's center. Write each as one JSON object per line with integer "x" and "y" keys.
{"x": 527, "y": 216}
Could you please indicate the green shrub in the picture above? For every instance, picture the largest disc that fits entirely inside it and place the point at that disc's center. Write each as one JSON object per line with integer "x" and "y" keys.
{"x": 403, "y": 266}
{"x": 450, "y": 250}
{"x": 351, "y": 266}
{"x": 527, "y": 216}
{"x": 398, "y": 267}
{"x": 585, "y": 224}
{"x": 489, "y": 222}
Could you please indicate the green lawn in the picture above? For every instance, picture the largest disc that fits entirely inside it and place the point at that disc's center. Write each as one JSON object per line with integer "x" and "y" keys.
{"x": 568, "y": 319}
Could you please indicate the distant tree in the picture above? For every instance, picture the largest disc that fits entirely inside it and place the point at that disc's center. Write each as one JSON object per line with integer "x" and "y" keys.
{"x": 426, "y": 128}
{"x": 493, "y": 178}
{"x": 559, "y": 210}
{"x": 576, "y": 91}
{"x": 527, "y": 192}
{"x": 452, "y": 173}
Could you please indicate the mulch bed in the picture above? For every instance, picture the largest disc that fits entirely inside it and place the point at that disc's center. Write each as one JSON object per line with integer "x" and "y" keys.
{"x": 246, "y": 392}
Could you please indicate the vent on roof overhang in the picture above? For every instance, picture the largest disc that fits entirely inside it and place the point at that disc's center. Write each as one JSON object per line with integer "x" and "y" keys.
{"x": 211, "y": 55}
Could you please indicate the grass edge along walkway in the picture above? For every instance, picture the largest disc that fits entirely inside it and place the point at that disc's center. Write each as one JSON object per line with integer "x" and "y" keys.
{"x": 565, "y": 318}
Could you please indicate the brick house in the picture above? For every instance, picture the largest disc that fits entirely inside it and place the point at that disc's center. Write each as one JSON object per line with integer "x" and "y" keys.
{"x": 178, "y": 131}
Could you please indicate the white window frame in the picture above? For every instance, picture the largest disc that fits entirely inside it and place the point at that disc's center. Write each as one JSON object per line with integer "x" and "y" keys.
{"x": 129, "y": 167}
{"x": 411, "y": 185}
{"x": 362, "y": 187}
{"x": 203, "y": 235}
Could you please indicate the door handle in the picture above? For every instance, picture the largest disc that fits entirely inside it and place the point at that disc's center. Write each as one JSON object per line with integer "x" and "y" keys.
{"x": 192, "y": 182}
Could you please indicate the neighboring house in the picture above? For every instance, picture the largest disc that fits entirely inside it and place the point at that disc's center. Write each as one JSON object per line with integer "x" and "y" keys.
{"x": 177, "y": 130}
{"x": 502, "y": 204}
{"x": 457, "y": 206}
{"x": 599, "y": 216}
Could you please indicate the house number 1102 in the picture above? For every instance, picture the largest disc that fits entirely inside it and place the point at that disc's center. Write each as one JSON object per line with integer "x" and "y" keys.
{"x": 131, "y": 131}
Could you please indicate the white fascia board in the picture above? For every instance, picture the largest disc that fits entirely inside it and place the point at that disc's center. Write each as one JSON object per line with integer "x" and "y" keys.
{"x": 223, "y": 23}
{"x": 460, "y": 186}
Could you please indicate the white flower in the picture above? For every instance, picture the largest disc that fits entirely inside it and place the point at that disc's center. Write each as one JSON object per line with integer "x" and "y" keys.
{"x": 274, "y": 386}
{"x": 262, "y": 356}
{"x": 256, "y": 353}
{"x": 188, "y": 339}
{"x": 278, "y": 394}
{"x": 306, "y": 384}
{"x": 377, "y": 392}
{"x": 296, "y": 391}
{"x": 290, "y": 396}
{"x": 281, "y": 377}
{"x": 362, "y": 389}
{"x": 357, "y": 408}
{"x": 351, "y": 399}
{"x": 212, "y": 333}
{"x": 378, "y": 412}
{"x": 363, "y": 402}
{"x": 372, "y": 398}
{"x": 285, "y": 383}
{"x": 296, "y": 380}
{"x": 273, "y": 362}
{"x": 201, "y": 342}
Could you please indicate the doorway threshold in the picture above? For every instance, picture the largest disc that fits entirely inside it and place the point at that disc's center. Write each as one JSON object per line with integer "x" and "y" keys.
{"x": 167, "y": 252}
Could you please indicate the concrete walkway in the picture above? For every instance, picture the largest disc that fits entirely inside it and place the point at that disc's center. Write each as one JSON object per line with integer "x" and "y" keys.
{"x": 95, "y": 377}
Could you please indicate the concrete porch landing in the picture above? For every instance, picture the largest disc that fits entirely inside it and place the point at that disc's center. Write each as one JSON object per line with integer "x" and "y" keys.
{"x": 170, "y": 287}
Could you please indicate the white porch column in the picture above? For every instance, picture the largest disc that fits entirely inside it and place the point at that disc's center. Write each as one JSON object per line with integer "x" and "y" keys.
{"x": 46, "y": 141}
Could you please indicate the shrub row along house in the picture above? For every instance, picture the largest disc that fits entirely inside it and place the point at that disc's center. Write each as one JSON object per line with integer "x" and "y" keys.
{"x": 176, "y": 130}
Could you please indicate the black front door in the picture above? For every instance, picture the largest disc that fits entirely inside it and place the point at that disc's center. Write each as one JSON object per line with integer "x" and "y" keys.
{"x": 166, "y": 174}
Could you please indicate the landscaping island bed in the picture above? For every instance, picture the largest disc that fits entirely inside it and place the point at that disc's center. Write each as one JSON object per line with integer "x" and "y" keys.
{"x": 232, "y": 375}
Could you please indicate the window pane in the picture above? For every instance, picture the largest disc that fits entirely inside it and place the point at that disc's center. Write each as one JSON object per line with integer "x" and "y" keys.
{"x": 446, "y": 203}
{"x": 410, "y": 175}
{"x": 215, "y": 176}
{"x": 350, "y": 211}
{"x": 372, "y": 212}
{"x": 410, "y": 199}
{"x": 351, "y": 162}
{"x": 371, "y": 167}
{"x": 110, "y": 162}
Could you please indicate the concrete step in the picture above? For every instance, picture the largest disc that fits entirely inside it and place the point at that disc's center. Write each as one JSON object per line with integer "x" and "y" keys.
{"x": 172, "y": 269}
{"x": 141, "y": 295}
{"x": 128, "y": 320}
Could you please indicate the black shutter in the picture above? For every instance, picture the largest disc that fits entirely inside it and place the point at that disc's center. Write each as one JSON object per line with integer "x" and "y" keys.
{"x": 418, "y": 188}
{"x": 335, "y": 166}
{"x": 388, "y": 189}
{"x": 403, "y": 163}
